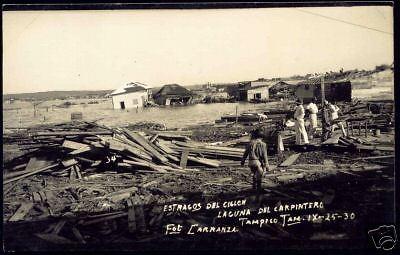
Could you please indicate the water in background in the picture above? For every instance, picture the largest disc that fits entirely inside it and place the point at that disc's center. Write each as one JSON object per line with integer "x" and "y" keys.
{"x": 21, "y": 114}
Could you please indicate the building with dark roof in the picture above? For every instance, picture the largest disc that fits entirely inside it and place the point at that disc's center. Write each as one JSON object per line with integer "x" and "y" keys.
{"x": 173, "y": 94}
{"x": 254, "y": 90}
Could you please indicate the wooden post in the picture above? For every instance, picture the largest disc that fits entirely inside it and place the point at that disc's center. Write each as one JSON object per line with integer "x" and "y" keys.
{"x": 324, "y": 129}
{"x": 279, "y": 145}
{"x": 184, "y": 158}
{"x": 236, "y": 114}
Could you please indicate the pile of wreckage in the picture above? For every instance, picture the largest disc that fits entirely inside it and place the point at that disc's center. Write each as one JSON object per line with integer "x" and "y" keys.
{"x": 90, "y": 177}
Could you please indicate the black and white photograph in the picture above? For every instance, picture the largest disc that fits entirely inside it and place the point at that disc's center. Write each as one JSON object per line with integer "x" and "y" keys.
{"x": 184, "y": 127}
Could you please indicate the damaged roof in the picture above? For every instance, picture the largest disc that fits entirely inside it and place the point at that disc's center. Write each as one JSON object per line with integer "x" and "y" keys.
{"x": 130, "y": 88}
{"x": 173, "y": 90}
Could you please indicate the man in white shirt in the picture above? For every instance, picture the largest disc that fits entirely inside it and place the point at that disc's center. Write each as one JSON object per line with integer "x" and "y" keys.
{"x": 334, "y": 115}
{"x": 299, "y": 123}
{"x": 313, "y": 109}
{"x": 334, "y": 111}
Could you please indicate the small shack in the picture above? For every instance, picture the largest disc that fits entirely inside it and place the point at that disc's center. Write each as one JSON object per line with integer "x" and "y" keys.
{"x": 254, "y": 91}
{"x": 131, "y": 95}
{"x": 173, "y": 94}
{"x": 339, "y": 91}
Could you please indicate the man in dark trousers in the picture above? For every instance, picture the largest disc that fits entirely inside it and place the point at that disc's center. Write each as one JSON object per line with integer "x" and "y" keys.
{"x": 256, "y": 150}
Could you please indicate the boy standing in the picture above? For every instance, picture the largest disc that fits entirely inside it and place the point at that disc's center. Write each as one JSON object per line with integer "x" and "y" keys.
{"x": 256, "y": 150}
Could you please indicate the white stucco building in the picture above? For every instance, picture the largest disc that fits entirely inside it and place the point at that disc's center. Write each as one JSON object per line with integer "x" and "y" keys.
{"x": 131, "y": 95}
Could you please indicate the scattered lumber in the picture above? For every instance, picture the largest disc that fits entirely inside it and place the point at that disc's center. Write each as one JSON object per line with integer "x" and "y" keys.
{"x": 73, "y": 133}
{"x": 145, "y": 144}
{"x": 30, "y": 173}
{"x": 122, "y": 172}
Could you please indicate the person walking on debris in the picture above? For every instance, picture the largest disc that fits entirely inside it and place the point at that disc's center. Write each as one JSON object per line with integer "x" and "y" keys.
{"x": 256, "y": 150}
{"x": 299, "y": 123}
{"x": 313, "y": 109}
{"x": 334, "y": 115}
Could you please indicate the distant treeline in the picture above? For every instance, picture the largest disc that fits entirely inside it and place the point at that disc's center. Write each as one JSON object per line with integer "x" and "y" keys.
{"x": 332, "y": 75}
{"x": 48, "y": 95}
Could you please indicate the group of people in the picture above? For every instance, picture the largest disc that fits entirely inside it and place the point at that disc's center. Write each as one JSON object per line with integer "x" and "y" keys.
{"x": 302, "y": 136}
{"x": 256, "y": 150}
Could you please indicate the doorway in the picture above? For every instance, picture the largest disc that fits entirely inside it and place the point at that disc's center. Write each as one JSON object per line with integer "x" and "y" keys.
{"x": 122, "y": 104}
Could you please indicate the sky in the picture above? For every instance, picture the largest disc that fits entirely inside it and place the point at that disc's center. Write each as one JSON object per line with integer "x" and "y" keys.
{"x": 93, "y": 50}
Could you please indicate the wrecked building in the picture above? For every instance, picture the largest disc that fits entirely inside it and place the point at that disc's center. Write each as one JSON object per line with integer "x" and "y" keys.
{"x": 131, "y": 95}
{"x": 282, "y": 89}
{"x": 173, "y": 94}
{"x": 253, "y": 91}
{"x": 338, "y": 91}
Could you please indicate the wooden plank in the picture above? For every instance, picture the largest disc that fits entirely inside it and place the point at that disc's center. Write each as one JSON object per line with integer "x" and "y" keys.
{"x": 21, "y": 212}
{"x": 84, "y": 160}
{"x": 210, "y": 152}
{"x": 376, "y": 157}
{"x": 173, "y": 158}
{"x": 146, "y": 145}
{"x": 172, "y": 132}
{"x": 163, "y": 145}
{"x": 145, "y": 164}
{"x": 184, "y": 159}
{"x": 206, "y": 162}
{"x": 81, "y": 150}
{"x": 29, "y": 173}
{"x": 153, "y": 138}
{"x": 78, "y": 171}
{"x": 138, "y": 153}
{"x": 120, "y": 142}
{"x": 38, "y": 162}
{"x": 72, "y": 133}
{"x": 224, "y": 149}
{"x": 69, "y": 162}
{"x": 73, "y": 145}
{"x": 290, "y": 160}
{"x": 385, "y": 148}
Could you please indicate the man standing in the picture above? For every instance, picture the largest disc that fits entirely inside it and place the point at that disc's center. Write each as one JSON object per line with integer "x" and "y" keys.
{"x": 313, "y": 109}
{"x": 334, "y": 115}
{"x": 256, "y": 150}
{"x": 334, "y": 111}
{"x": 299, "y": 123}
